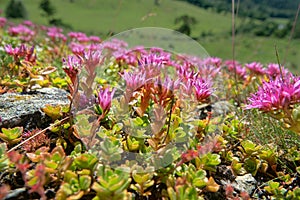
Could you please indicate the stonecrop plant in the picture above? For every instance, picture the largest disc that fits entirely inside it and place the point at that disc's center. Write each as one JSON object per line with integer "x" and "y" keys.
{"x": 145, "y": 122}
{"x": 280, "y": 98}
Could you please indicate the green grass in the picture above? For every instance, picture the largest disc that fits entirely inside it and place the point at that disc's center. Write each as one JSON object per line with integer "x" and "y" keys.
{"x": 101, "y": 17}
{"x": 260, "y": 49}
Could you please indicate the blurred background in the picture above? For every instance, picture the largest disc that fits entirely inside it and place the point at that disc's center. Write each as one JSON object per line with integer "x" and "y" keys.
{"x": 260, "y": 25}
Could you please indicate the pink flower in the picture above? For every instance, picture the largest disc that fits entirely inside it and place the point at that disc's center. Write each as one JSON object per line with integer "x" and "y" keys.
{"x": 238, "y": 69}
{"x": 43, "y": 28}
{"x": 202, "y": 89}
{"x": 208, "y": 71}
{"x": 134, "y": 80}
{"x": 10, "y": 50}
{"x": 21, "y": 52}
{"x": 23, "y": 32}
{"x": 73, "y": 62}
{"x": 76, "y": 35}
{"x": 186, "y": 71}
{"x": 231, "y": 62}
{"x": 139, "y": 50}
{"x": 188, "y": 87}
{"x": 156, "y": 50}
{"x": 83, "y": 39}
{"x": 93, "y": 47}
{"x": 152, "y": 59}
{"x": 277, "y": 94}
{"x": 28, "y": 23}
{"x": 213, "y": 61}
{"x": 163, "y": 90}
{"x": 273, "y": 70}
{"x": 92, "y": 59}
{"x": 114, "y": 45}
{"x": 54, "y": 29}
{"x": 104, "y": 98}
{"x": 125, "y": 57}
{"x": 208, "y": 68}
{"x": 56, "y": 36}
{"x": 2, "y": 22}
{"x": 256, "y": 68}
{"x": 95, "y": 39}
{"x": 152, "y": 64}
{"x": 77, "y": 49}
{"x": 71, "y": 67}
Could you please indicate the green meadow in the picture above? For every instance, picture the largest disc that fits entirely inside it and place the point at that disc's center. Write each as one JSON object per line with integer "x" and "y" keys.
{"x": 107, "y": 17}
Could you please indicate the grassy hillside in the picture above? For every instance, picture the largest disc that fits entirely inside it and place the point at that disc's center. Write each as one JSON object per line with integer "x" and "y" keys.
{"x": 258, "y": 9}
{"x": 260, "y": 49}
{"x": 100, "y": 17}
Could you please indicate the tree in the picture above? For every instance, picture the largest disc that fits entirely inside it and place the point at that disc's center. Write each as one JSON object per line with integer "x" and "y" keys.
{"x": 16, "y": 9}
{"x": 49, "y": 12}
{"x": 157, "y": 2}
{"x": 187, "y": 22}
{"x": 47, "y": 7}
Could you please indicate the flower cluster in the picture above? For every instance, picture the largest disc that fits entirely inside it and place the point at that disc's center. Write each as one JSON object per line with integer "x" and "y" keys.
{"x": 72, "y": 66}
{"x": 256, "y": 68}
{"x": 274, "y": 70}
{"x": 23, "y": 32}
{"x": 164, "y": 90}
{"x": 83, "y": 38}
{"x": 202, "y": 89}
{"x": 2, "y": 22}
{"x": 29, "y": 23}
{"x": 104, "y": 98}
{"x": 278, "y": 94}
{"x": 134, "y": 80}
{"x": 236, "y": 68}
{"x": 21, "y": 52}
{"x": 151, "y": 64}
{"x": 197, "y": 82}
{"x": 36, "y": 142}
{"x": 56, "y": 34}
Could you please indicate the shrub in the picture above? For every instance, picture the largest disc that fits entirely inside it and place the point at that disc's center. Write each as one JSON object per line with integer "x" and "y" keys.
{"x": 16, "y": 9}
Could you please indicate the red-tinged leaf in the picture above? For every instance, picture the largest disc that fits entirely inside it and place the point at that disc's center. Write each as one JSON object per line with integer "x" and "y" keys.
{"x": 36, "y": 183}
{"x": 19, "y": 161}
{"x": 3, "y": 89}
{"x": 4, "y": 190}
{"x": 144, "y": 103}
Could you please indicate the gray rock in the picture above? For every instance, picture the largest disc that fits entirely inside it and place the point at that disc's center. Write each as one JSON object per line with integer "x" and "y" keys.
{"x": 221, "y": 108}
{"x": 245, "y": 183}
{"x": 15, "y": 193}
{"x": 17, "y": 109}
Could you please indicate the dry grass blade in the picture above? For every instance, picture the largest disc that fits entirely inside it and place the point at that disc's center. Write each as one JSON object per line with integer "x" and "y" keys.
{"x": 292, "y": 33}
{"x": 233, "y": 15}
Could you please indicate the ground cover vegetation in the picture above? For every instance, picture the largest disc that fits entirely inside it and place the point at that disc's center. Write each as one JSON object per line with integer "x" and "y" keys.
{"x": 133, "y": 132}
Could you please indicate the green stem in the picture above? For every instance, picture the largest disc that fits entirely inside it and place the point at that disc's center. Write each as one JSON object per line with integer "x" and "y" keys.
{"x": 169, "y": 122}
